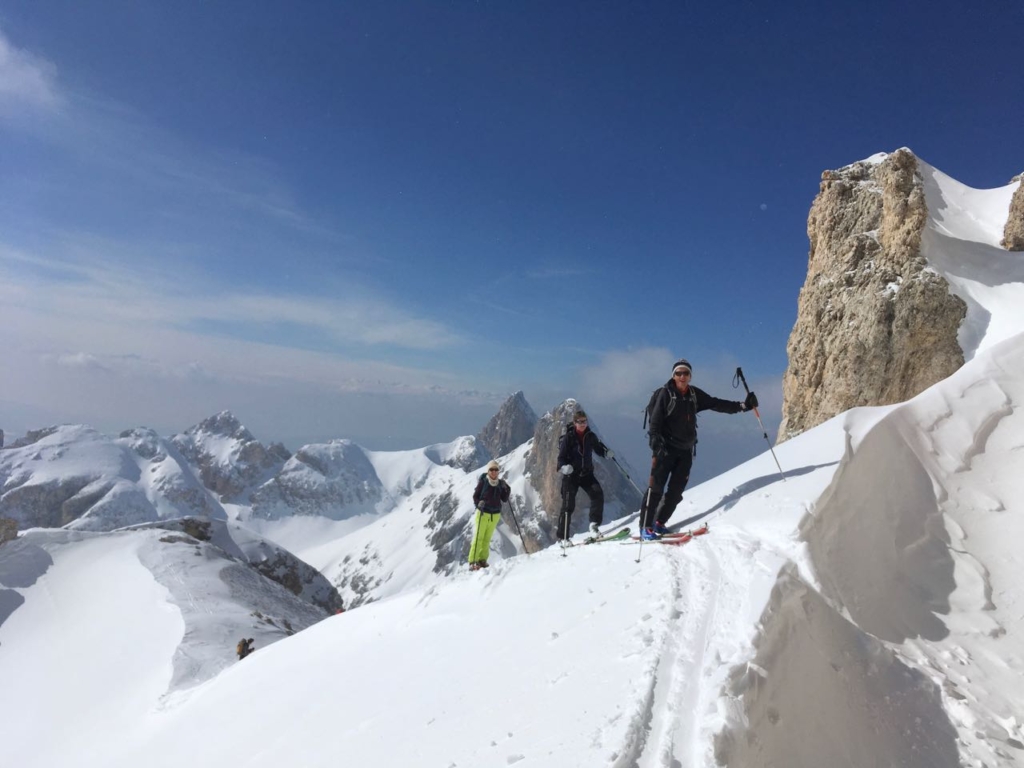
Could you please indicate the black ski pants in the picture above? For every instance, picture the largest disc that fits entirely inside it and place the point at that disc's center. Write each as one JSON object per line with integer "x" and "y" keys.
{"x": 571, "y": 484}
{"x": 671, "y": 468}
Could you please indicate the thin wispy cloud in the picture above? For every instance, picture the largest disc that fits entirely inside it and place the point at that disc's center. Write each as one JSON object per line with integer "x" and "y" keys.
{"x": 556, "y": 272}
{"x": 75, "y": 293}
{"x": 151, "y": 167}
{"x": 26, "y": 80}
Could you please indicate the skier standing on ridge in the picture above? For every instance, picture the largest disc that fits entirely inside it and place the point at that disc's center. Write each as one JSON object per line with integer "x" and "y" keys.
{"x": 576, "y": 463}
{"x": 490, "y": 492}
{"x": 673, "y": 436}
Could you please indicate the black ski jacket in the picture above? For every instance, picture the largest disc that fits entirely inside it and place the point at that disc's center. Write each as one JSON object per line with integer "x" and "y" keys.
{"x": 674, "y": 416}
{"x": 488, "y": 497}
{"x": 579, "y": 452}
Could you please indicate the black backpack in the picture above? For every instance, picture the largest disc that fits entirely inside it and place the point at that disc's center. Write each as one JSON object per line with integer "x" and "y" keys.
{"x": 671, "y": 404}
{"x": 653, "y": 401}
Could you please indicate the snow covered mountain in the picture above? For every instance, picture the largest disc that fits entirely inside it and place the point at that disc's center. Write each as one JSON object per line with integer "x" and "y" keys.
{"x": 863, "y": 611}
{"x": 375, "y": 522}
{"x": 74, "y": 476}
{"x": 231, "y": 462}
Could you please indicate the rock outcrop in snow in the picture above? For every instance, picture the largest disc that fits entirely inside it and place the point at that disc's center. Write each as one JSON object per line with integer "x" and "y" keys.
{"x": 1013, "y": 232}
{"x": 874, "y": 324}
{"x": 8, "y": 530}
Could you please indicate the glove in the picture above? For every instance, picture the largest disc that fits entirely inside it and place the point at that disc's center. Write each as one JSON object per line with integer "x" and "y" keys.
{"x": 657, "y": 443}
{"x": 750, "y": 402}
{"x": 566, "y": 469}
{"x": 609, "y": 453}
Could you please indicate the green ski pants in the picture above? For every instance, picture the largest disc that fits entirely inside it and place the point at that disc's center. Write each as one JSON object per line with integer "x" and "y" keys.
{"x": 484, "y": 524}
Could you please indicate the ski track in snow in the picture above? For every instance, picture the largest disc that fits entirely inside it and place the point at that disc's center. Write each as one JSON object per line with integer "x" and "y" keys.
{"x": 671, "y": 703}
{"x": 676, "y": 693}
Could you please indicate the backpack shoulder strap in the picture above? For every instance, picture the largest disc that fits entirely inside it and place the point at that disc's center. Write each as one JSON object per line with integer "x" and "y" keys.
{"x": 671, "y": 402}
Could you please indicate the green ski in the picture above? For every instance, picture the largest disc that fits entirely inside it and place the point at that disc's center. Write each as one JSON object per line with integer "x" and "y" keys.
{"x": 619, "y": 536}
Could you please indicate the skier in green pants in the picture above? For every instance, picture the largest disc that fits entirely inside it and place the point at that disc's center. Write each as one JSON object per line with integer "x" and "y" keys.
{"x": 490, "y": 492}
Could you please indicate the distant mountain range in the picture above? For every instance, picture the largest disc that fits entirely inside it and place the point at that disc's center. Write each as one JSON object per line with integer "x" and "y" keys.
{"x": 372, "y": 521}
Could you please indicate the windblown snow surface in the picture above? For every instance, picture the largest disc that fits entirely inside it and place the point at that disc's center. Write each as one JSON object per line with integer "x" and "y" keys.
{"x": 865, "y": 611}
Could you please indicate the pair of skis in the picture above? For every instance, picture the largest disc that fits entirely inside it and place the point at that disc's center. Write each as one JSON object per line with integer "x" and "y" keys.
{"x": 675, "y": 537}
{"x": 623, "y": 535}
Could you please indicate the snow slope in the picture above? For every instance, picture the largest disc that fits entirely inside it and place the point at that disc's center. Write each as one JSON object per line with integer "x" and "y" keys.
{"x": 961, "y": 242}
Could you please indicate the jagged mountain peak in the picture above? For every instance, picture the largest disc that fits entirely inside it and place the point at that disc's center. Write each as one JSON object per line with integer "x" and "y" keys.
{"x": 231, "y": 462}
{"x": 224, "y": 424}
{"x": 510, "y": 427}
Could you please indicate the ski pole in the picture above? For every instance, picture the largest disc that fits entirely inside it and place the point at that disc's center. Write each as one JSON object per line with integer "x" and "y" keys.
{"x": 565, "y": 528}
{"x": 643, "y": 509}
{"x": 739, "y": 377}
{"x": 627, "y": 476}
{"x": 518, "y": 529}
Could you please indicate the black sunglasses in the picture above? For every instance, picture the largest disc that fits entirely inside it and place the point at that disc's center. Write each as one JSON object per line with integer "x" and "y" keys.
{"x": 680, "y": 373}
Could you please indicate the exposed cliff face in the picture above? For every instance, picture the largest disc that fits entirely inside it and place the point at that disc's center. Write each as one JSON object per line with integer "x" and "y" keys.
{"x": 510, "y": 427}
{"x": 874, "y": 326}
{"x": 1013, "y": 234}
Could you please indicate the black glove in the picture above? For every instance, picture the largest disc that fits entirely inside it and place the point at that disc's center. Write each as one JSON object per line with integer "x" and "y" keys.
{"x": 750, "y": 402}
{"x": 657, "y": 443}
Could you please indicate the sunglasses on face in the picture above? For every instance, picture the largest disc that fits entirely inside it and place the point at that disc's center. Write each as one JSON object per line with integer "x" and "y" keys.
{"x": 492, "y": 470}
{"x": 680, "y": 373}
{"x": 582, "y": 422}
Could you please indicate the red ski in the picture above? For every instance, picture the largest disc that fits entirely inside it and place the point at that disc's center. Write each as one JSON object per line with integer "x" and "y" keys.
{"x": 676, "y": 537}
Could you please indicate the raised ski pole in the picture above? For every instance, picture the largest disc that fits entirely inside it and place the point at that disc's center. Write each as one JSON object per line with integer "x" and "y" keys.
{"x": 518, "y": 529}
{"x": 623, "y": 471}
{"x": 739, "y": 377}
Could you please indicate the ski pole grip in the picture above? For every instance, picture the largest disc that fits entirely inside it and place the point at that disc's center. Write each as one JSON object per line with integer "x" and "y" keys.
{"x": 741, "y": 377}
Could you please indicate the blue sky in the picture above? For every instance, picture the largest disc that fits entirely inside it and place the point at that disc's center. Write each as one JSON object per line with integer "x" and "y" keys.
{"x": 375, "y": 219}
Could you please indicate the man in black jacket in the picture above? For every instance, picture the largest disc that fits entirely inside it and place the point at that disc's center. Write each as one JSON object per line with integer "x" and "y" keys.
{"x": 673, "y": 436}
{"x": 576, "y": 463}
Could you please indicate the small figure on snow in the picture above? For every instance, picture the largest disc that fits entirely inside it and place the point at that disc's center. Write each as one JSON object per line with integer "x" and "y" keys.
{"x": 576, "y": 463}
{"x": 490, "y": 492}
{"x": 244, "y": 648}
{"x": 673, "y": 437}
